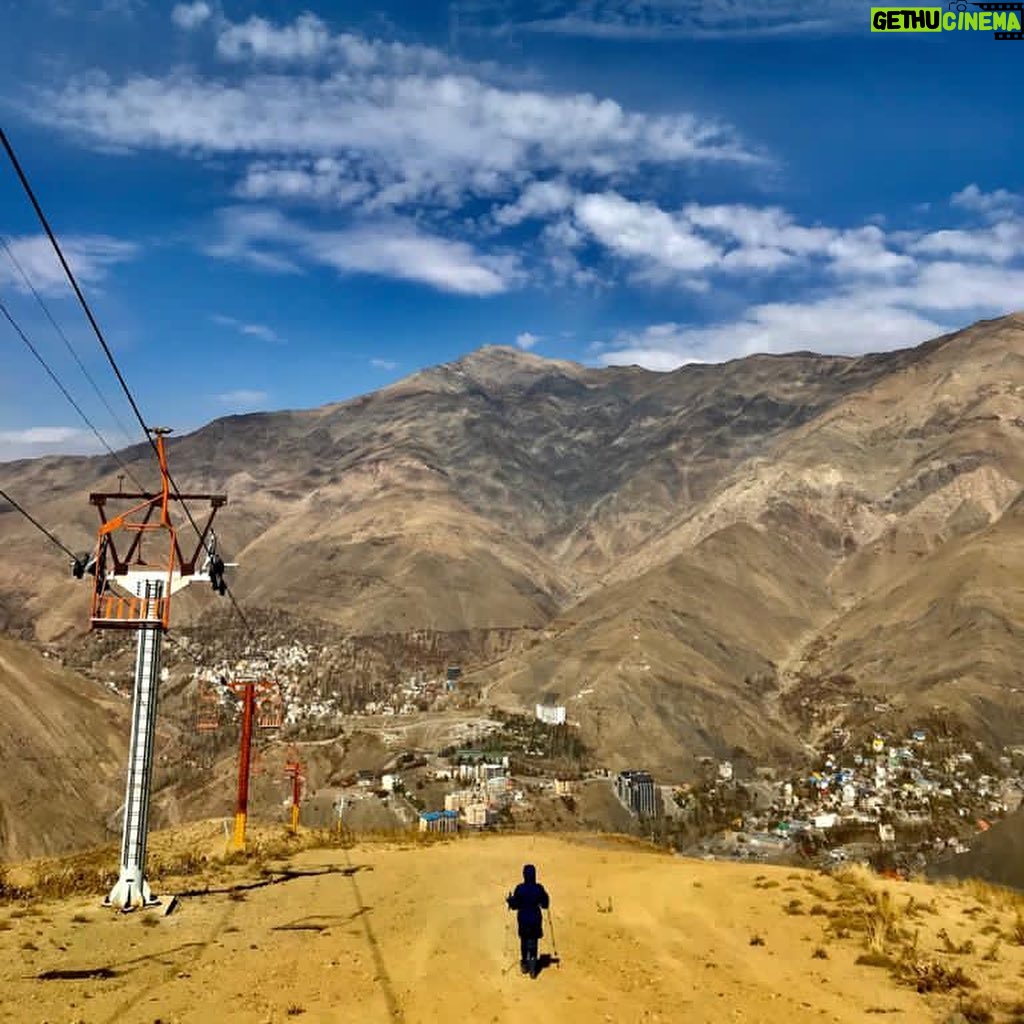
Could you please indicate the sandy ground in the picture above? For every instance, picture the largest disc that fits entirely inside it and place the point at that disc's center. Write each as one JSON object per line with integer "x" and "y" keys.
{"x": 413, "y": 933}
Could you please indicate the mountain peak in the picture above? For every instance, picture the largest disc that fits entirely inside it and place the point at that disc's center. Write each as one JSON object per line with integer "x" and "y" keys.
{"x": 495, "y": 357}
{"x": 494, "y": 368}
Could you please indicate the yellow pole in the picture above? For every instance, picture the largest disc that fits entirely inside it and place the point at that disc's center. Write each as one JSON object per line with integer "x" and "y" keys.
{"x": 238, "y": 840}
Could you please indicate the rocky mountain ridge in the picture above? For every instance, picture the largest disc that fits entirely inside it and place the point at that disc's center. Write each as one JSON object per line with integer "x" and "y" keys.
{"x": 780, "y": 518}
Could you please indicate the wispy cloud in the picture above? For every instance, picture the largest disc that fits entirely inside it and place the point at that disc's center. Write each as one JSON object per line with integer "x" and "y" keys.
{"x": 394, "y": 248}
{"x": 33, "y": 442}
{"x": 90, "y": 256}
{"x": 356, "y": 118}
{"x": 384, "y": 364}
{"x": 663, "y": 20}
{"x": 875, "y": 291}
{"x": 242, "y": 398}
{"x": 261, "y": 331}
{"x": 191, "y": 16}
{"x": 526, "y": 340}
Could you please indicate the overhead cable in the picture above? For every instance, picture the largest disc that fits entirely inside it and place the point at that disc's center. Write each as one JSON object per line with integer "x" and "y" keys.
{"x": 64, "y": 391}
{"x": 39, "y": 526}
{"x": 60, "y": 331}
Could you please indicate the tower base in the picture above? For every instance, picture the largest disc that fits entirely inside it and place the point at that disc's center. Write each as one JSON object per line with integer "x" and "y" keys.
{"x": 131, "y": 891}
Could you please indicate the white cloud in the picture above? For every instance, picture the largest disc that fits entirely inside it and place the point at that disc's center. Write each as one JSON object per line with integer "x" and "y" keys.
{"x": 884, "y": 290}
{"x": 391, "y": 248}
{"x": 242, "y": 398}
{"x": 33, "y": 442}
{"x": 999, "y": 203}
{"x": 306, "y": 38}
{"x": 404, "y": 124}
{"x": 384, "y": 364}
{"x": 325, "y": 180}
{"x": 191, "y": 16}
{"x": 699, "y": 240}
{"x": 526, "y": 340}
{"x": 653, "y": 20}
{"x": 842, "y": 324}
{"x": 999, "y": 243}
{"x": 90, "y": 257}
{"x": 863, "y": 252}
{"x": 963, "y": 288}
{"x": 261, "y": 331}
{"x": 401, "y": 251}
{"x": 41, "y": 435}
{"x": 539, "y": 200}
{"x": 643, "y": 231}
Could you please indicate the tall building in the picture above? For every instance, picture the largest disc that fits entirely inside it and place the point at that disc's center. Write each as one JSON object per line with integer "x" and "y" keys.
{"x": 551, "y": 714}
{"x": 636, "y": 790}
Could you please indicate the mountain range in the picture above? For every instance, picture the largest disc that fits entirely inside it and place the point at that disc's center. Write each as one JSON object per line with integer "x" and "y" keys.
{"x": 718, "y": 560}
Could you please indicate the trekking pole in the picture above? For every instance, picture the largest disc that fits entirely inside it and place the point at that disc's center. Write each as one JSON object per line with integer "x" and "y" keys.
{"x": 554, "y": 945}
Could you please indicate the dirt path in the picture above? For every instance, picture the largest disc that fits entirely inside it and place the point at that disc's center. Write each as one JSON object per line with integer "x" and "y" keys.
{"x": 419, "y": 934}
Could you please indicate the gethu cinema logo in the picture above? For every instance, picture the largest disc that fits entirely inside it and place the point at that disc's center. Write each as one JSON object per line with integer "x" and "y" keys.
{"x": 1004, "y": 19}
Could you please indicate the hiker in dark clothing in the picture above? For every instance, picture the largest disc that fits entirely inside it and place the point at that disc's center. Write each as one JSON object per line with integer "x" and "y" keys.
{"x": 528, "y": 900}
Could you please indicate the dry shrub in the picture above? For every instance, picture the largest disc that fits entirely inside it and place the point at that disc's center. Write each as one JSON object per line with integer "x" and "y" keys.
{"x": 1016, "y": 1013}
{"x": 58, "y": 882}
{"x": 965, "y": 948}
{"x": 931, "y": 976}
{"x": 976, "y": 1010}
{"x": 180, "y": 865}
{"x": 820, "y": 953}
{"x": 818, "y": 911}
{"x": 876, "y": 958}
{"x": 881, "y": 920}
{"x": 856, "y": 877}
{"x": 990, "y": 895}
{"x": 794, "y": 907}
{"x": 8, "y": 890}
{"x": 1016, "y": 935}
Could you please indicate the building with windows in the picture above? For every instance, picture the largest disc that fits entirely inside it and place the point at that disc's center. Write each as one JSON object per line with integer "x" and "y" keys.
{"x": 637, "y": 791}
{"x": 551, "y": 714}
{"x": 439, "y": 821}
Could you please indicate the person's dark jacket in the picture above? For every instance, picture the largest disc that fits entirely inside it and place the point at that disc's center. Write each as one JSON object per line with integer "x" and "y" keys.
{"x": 528, "y": 900}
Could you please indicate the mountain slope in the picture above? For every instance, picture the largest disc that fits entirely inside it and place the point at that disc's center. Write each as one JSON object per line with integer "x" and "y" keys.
{"x": 63, "y": 748}
{"x": 772, "y": 515}
{"x": 378, "y": 932}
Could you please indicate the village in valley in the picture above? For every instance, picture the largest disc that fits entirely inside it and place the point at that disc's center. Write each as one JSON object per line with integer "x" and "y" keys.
{"x": 895, "y": 798}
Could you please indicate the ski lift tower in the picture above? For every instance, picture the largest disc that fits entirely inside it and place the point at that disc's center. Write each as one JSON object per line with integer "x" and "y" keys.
{"x": 263, "y": 707}
{"x": 138, "y": 565}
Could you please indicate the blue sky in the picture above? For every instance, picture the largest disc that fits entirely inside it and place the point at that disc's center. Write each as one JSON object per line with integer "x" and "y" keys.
{"x": 274, "y": 206}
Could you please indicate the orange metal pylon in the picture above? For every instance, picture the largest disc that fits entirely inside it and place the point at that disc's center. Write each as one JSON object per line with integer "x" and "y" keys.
{"x": 123, "y": 564}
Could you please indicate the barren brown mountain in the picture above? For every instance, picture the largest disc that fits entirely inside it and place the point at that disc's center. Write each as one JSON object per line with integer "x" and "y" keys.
{"x": 700, "y": 546}
{"x": 63, "y": 744}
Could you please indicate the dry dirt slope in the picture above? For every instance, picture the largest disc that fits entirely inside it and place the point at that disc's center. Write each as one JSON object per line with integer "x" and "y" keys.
{"x": 419, "y": 934}
{"x": 63, "y": 747}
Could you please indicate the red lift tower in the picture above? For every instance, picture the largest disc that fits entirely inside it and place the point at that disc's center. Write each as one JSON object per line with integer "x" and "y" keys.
{"x": 261, "y": 706}
{"x": 138, "y": 564}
